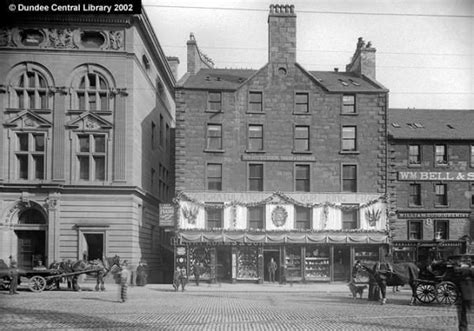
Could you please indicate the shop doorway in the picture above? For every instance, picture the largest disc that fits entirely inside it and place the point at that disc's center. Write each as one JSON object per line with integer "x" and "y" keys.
{"x": 224, "y": 264}
{"x": 342, "y": 263}
{"x": 31, "y": 248}
{"x": 95, "y": 246}
{"x": 268, "y": 255}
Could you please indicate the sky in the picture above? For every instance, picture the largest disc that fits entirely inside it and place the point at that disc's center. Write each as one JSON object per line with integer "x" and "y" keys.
{"x": 425, "y": 48}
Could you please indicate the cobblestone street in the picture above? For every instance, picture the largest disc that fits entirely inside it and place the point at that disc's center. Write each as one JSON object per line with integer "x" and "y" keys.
{"x": 220, "y": 307}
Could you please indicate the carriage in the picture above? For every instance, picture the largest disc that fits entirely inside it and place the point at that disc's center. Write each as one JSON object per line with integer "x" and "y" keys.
{"x": 48, "y": 279}
{"x": 438, "y": 282}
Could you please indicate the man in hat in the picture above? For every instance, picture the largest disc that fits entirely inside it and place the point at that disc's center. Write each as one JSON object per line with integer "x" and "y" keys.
{"x": 13, "y": 276}
{"x": 124, "y": 281}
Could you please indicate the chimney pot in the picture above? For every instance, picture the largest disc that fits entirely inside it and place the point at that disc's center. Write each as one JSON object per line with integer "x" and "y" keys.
{"x": 336, "y": 69}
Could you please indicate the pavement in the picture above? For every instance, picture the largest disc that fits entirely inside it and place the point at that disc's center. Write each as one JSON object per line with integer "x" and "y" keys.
{"x": 220, "y": 306}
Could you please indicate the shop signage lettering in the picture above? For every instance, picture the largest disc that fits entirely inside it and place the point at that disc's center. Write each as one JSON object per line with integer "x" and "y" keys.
{"x": 166, "y": 214}
{"x": 433, "y": 215}
{"x": 436, "y": 175}
{"x": 288, "y": 158}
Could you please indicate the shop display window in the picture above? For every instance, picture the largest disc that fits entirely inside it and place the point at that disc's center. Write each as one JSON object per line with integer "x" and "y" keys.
{"x": 293, "y": 262}
{"x": 200, "y": 255}
{"x": 317, "y": 265}
{"x": 247, "y": 258}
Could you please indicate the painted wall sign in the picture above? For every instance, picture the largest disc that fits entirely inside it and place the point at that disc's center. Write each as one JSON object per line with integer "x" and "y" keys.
{"x": 279, "y": 158}
{"x": 436, "y": 175}
{"x": 433, "y": 215}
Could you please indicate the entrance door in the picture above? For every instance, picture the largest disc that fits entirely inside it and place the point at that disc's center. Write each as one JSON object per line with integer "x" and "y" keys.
{"x": 95, "y": 246}
{"x": 267, "y": 257}
{"x": 224, "y": 265}
{"x": 31, "y": 248}
{"x": 342, "y": 263}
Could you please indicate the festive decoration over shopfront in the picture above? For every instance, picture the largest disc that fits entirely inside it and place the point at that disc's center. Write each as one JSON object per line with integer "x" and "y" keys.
{"x": 190, "y": 214}
{"x": 279, "y": 216}
{"x": 373, "y": 216}
{"x": 181, "y": 196}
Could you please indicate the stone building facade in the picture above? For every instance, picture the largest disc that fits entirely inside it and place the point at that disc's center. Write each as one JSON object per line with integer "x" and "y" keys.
{"x": 431, "y": 178}
{"x": 87, "y": 112}
{"x": 281, "y": 163}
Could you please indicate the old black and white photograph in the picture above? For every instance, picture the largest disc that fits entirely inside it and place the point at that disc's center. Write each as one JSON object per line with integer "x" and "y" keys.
{"x": 237, "y": 165}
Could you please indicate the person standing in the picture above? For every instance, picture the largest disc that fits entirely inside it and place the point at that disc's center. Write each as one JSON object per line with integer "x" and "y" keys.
{"x": 141, "y": 274}
{"x": 197, "y": 272}
{"x": 13, "y": 276}
{"x": 124, "y": 280}
{"x": 465, "y": 283}
{"x": 182, "y": 278}
{"x": 272, "y": 267}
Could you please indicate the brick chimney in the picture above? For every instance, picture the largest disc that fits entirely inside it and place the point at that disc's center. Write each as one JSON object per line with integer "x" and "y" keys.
{"x": 196, "y": 59}
{"x": 282, "y": 34}
{"x": 363, "y": 60}
{"x": 173, "y": 61}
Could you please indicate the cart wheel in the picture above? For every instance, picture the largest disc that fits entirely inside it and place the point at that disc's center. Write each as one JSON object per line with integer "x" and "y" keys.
{"x": 37, "y": 283}
{"x": 446, "y": 293}
{"x": 425, "y": 292}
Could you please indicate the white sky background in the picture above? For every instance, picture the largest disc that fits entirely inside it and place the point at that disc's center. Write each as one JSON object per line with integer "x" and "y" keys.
{"x": 425, "y": 48}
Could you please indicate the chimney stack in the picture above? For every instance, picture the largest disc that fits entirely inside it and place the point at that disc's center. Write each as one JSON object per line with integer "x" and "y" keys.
{"x": 282, "y": 34}
{"x": 196, "y": 59}
{"x": 173, "y": 61}
{"x": 363, "y": 60}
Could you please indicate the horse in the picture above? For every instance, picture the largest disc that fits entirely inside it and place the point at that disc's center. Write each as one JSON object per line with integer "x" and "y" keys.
{"x": 98, "y": 268}
{"x": 63, "y": 267}
{"x": 397, "y": 274}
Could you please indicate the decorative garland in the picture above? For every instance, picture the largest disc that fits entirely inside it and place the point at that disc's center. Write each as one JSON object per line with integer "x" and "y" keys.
{"x": 221, "y": 230}
{"x": 181, "y": 196}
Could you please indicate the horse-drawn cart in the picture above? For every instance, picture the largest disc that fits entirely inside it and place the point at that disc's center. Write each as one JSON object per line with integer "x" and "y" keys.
{"x": 40, "y": 280}
{"x": 443, "y": 291}
{"x": 438, "y": 282}
{"x": 37, "y": 280}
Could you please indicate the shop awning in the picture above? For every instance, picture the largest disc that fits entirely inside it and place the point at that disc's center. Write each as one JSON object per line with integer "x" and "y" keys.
{"x": 280, "y": 238}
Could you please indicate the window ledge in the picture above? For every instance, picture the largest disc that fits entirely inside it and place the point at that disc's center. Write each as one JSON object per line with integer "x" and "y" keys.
{"x": 441, "y": 165}
{"x": 42, "y": 111}
{"x": 307, "y": 114}
{"x": 76, "y": 111}
{"x": 214, "y": 150}
{"x": 349, "y": 152}
{"x": 441, "y": 206}
{"x": 415, "y": 206}
{"x": 255, "y": 151}
{"x": 414, "y": 165}
{"x": 102, "y": 112}
{"x": 13, "y": 110}
{"x": 213, "y": 111}
{"x": 301, "y": 152}
{"x": 255, "y": 112}
{"x": 349, "y": 114}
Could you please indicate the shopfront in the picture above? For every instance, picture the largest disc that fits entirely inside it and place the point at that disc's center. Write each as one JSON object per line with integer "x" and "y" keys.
{"x": 308, "y": 257}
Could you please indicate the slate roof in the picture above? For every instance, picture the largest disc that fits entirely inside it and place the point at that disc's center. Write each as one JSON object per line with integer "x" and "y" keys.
{"x": 219, "y": 79}
{"x": 435, "y": 124}
{"x": 345, "y": 82}
{"x": 231, "y": 79}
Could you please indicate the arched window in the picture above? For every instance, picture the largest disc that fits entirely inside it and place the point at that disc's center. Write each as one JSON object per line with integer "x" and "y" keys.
{"x": 30, "y": 90}
{"x": 92, "y": 93}
{"x": 31, "y": 216}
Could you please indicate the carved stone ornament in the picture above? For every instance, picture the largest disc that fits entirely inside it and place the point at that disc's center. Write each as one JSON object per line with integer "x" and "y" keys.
{"x": 61, "y": 38}
{"x": 115, "y": 39}
{"x": 6, "y": 37}
{"x": 279, "y": 216}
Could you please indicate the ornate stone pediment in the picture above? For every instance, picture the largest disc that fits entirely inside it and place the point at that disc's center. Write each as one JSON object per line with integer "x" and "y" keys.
{"x": 89, "y": 122}
{"x": 28, "y": 120}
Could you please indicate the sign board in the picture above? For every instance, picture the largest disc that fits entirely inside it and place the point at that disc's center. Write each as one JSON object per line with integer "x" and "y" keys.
{"x": 429, "y": 215}
{"x": 167, "y": 214}
{"x": 436, "y": 176}
{"x": 279, "y": 158}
